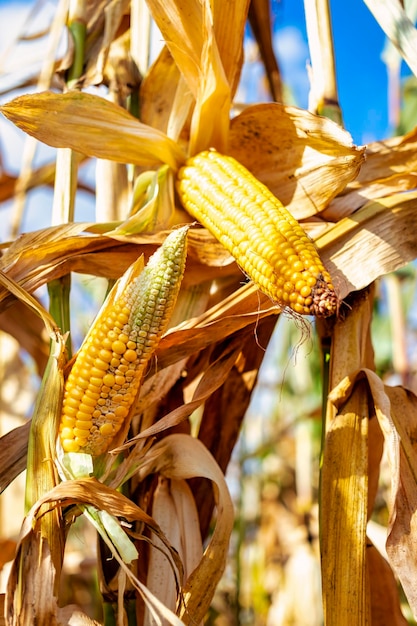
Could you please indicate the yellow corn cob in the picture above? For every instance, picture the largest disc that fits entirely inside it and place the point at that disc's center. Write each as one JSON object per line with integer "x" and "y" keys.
{"x": 106, "y": 375}
{"x": 266, "y": 240}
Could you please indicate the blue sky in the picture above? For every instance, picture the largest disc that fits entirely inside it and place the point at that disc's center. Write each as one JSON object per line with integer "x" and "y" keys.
{"x": 361, "y": 73}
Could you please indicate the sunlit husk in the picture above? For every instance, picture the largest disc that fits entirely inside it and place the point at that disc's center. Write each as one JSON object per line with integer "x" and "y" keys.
{"x": 319, "y": 152}
{"x": 181, "y": 457}
{"x": 102, "y": 128}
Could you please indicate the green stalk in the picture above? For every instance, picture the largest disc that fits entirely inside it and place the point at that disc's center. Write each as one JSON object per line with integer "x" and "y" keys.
{"x": 59, "y": 307}
{"x": 78, "y": 31}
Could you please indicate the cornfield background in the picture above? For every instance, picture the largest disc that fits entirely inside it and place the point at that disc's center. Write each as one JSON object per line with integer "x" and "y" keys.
{"x": 312, "y": 421}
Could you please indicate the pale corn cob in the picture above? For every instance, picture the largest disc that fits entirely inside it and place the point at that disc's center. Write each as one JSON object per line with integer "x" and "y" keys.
{"x": 106, "y": 375}
{"x": 267, "y": 242}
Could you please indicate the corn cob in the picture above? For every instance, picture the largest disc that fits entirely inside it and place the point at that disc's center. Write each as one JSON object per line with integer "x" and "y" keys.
{"x": 267, "y": 242}
{"x": 106, "y": 375}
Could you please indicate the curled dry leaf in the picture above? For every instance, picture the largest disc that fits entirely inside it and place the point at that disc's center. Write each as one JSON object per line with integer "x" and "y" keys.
{"x": 38, "y": 257}
{"x": 104, "y": 23}
{"x": 28, "y": 598}
{"x": 181, "y": 457}
{"x": 157, "y": 91}
{"x": 304, "y": 159}
{"x": 390, "y": 167}
{"x": 13, "y": 449}
{"x": 394, "y": 19}
{"x": 93, "y": 126}
{"x": 387, "y": 226}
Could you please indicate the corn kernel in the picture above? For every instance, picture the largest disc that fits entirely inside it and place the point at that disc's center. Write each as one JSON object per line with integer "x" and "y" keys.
{"x": 98, "y": 395}
{"x": 266, "y": 240}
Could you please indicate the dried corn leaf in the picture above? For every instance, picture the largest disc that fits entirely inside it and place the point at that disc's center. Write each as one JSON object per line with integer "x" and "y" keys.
{"x": 212, "y": 378}
{"x": 181, "y": 457}
{"x": 238, "y": 385}
{"x": 72, "y": 615}
{"x": 11, "y": 185}
{"x": 25, "y": 326}
{"x": 26, "y": 298}
{"x": 181, "y": 25}
{"x": 104, "y": 20}
{"x": 84, "y": 492}
{"x": 229, "y": 40}
{"x": 38, "y": 257}
{"x": 388, "y": 227}
{"x": 28, "y": 598}
{"x": 13, "y": 449}
{"x": 245, "y": 307}
{"x": 393, "y": 19}
{"x": 390, "y": 167}
{"x": 210, "y": 120}
{"x": 306, "y": 160}
{"x": 401, "y": 545}
{"x": 157, "y": 92}
{"x": 187, "y": 28}
{"x": 384, "y": 596}
{"x": 93, "y": 126}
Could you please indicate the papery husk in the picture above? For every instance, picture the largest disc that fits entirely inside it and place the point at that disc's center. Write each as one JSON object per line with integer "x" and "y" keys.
{"x": 13, "y": 450}
{"x": 41, "y": 475}
{"x": 180, "y": 457}
{"x": 304, "y": 159}
{"x": 161, "y": 579}
{"x": 93, "y": 126}
{"x": 193, "y": 45}
{"x": 104, "y": 21}
{"x": 389, "y": 168}
{"x": 83, "y": 492}
{"x": 158, "y": 90}
{"x": 387, "y": 227}
{"x": 40, "y": 256}
{"x": 401, "y": 545}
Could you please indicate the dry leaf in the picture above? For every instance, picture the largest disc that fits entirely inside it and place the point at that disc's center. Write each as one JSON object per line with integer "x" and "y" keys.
{"x": 93, "y": 126}
{"x": 390, "y": 167}
{"x": 304, "y": 159}
{"x": 157, "y": 92}
{"x": 29, "y": 598}
{"x": 180, "y": 457}
{"x": 385, "y": 608}
{"x": 387, "y": 227}
{"x": 13, "y": 449}
{"x": 393, "y": 19}
{"x": 401, "y": 545}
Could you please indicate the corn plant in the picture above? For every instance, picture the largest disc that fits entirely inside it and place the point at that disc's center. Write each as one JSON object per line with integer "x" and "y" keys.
{"x": 213, "y": 223}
